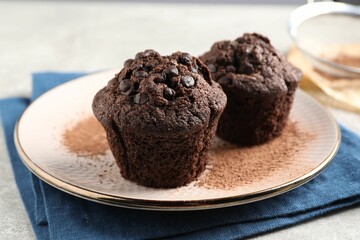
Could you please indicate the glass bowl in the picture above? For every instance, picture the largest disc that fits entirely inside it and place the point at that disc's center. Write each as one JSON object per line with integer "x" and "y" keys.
{"x": 328, "y": 34}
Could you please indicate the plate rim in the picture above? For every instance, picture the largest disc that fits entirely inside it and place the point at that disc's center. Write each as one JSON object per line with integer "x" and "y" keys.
{"x": 167, "y": 205}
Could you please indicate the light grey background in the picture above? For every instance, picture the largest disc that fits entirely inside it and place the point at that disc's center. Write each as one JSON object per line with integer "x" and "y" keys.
{"x": 185, "y": 1}
{"x": 65, "y": 36}
{"x": 286, "y": 2}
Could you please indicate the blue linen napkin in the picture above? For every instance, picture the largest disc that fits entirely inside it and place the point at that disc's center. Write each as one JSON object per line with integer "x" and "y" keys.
{"x": 58, "y": 215}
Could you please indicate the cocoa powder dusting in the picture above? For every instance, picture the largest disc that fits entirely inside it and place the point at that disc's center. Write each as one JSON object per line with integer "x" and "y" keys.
{"x": 86, "y": 138}
{"x": 232, "y": 166}
{"x": 229, "y": 165}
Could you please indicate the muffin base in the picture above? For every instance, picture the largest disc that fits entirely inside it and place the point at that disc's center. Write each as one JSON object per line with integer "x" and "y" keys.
{"x": 160, "y": 161}
{"x": 250, "y": 120}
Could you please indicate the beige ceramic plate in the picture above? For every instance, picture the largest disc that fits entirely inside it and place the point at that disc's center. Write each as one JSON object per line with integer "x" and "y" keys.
{"x": 38, "y": 140}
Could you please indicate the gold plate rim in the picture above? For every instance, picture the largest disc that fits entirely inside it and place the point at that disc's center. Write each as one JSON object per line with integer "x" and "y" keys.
{"x": 181, "y": 205}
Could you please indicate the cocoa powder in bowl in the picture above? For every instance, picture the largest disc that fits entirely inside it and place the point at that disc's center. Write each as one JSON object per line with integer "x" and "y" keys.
{"x": 347, "y": 60}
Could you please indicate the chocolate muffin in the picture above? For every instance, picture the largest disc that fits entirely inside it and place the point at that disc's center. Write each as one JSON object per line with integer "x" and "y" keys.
{"x": 260, "y": 85}
{"x": 160, "y": 114}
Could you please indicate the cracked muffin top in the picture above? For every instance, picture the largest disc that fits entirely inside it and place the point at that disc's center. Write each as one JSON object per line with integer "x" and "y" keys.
{"x": 165, "y": 94}
{"x": 252, "y": 64}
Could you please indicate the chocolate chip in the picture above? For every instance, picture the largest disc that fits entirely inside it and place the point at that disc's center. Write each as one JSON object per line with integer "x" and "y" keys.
{"x": 151, "y": 89}
{"x": 141, "y": 98}
{"x": 139, "y": 55}
{"x": 193, "y": 70}
{"x": 128, "y": 62}
{"x": 136, "y": 85}
{"x": 185, "y": 58}
{"x": 148, "y": 52}
{"x": 140, "y": 74}
{"x": 169, "y": 93}
{"x": 230, "y": 68}
{"x": 147, "y": 68}
{"x": 224, "y": 80}
{"x": 171, "y": 71}
{"x": 128, "y": 73}
{"x": 172, "y": 82}
{"x": 125, "y": 87}
{"x": 211, "y": 68}
{"x": 247, "y": 68}
{"x": 137, "y": 66}
{"x": 159, "y": 79}
{"x": 163, "y": 75}
{"x": 187, "y": 81}
{"x": 119, "y": 77}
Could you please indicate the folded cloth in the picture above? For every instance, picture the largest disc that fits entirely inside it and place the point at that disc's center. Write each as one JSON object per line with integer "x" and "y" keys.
{"x": 57, "y": 215}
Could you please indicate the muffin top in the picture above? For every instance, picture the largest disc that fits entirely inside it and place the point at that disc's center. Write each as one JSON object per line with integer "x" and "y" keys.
{"x": 252, "y": 64}
{"x": 155, "y": 93}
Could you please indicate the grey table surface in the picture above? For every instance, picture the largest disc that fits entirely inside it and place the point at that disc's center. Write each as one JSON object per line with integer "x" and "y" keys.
{"x": 80, "y": 36}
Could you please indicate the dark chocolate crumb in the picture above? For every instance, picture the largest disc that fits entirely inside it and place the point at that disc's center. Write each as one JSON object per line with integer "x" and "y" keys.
{"x": 159, "y": 101}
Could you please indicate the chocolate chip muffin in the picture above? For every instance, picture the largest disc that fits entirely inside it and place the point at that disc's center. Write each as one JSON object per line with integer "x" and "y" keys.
{"x": 260, "y": 85}
{"x": 160, "y": 114}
